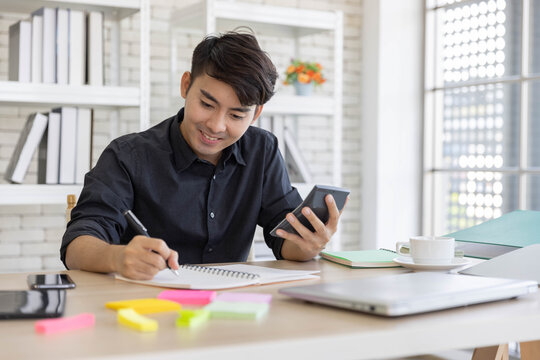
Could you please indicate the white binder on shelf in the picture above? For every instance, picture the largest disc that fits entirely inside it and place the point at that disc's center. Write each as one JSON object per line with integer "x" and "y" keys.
{"x": 62, "y": 45}
{"x": 68, "y": 147}
{"x": 84, "y": 144}
{"x": 26, "y": 146}
{"x": 49, "y": 152}
{"x": 37, "y": 48}
{"x": 20, "y": 50}
{"x": 48, "y": 59}
{"x": 77, "y": 47}
{"x": 95, "y": 48}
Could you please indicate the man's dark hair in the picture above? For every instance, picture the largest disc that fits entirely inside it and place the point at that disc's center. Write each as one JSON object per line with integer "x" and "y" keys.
{"x": 236, "y": 59}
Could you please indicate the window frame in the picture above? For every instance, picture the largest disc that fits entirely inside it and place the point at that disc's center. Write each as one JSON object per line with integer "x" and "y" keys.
{"x": 430, "y": 208}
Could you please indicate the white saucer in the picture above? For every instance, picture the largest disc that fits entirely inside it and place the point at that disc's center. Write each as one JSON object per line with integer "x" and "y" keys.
{"x": 408, "y": 263}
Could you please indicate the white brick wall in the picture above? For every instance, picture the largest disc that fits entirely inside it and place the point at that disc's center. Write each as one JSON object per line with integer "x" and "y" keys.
{"x": 20, "y": 263}
{"x": 30, "y": 235}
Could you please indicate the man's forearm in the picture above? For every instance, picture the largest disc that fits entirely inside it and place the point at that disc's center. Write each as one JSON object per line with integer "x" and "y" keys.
{"x": 92, "y": 254}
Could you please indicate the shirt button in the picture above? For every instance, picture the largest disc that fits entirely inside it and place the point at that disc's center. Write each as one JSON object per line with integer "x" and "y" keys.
{"x": 210, "y": 249}
{"x": 214, "y": 177}
{"x": 212, "y": 215}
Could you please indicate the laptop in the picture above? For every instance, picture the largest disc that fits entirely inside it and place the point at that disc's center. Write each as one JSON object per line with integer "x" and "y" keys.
{"x": 518, "y": 264}
{"x": 411, "y": 293}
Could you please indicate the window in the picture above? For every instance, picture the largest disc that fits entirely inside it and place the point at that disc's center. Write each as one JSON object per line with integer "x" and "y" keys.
{"x": 482, "y": 111}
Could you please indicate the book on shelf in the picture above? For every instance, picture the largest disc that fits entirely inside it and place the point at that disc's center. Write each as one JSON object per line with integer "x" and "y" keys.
{"x": 26, "y": 146}
{"x": 94, "y": 36}
{"x": 62, "y": 45}
{"x": 37, "y": 48}
{"x": 222, "y": 277}
{"x": 68, "y": 146}
{"x": 84, "y": 144}
{"x": 77, "y": 47}
{"x": 362, "y": 258}
{"x": 49, "y": 151}
{"x": 20, "y": 50}
{"x": 48, "y": 59}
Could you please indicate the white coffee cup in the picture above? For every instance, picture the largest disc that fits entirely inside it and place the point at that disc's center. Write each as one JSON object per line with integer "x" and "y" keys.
{"x": 428, "y": 249}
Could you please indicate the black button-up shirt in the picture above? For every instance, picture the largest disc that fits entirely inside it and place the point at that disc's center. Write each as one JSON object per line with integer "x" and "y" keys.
{"x": 207, "y": 213}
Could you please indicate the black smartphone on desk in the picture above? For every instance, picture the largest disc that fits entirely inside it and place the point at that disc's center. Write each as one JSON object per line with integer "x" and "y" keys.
{"x": 50, "y": 281}
{"x": 315, "y": 201}
{"x": 32, "y": 304}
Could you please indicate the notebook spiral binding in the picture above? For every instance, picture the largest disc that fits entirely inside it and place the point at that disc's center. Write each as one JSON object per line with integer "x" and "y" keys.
{"x": 220, "y": 272}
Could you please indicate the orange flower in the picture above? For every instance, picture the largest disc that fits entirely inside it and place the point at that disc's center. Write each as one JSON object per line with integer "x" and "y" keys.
{"x": 303, "y": 78}
{"x": 291, "y": 69}
{"x": 303, "y": 72}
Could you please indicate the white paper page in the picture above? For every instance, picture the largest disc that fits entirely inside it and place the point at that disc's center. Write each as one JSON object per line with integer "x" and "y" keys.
{"x": 190, "y": 279}
{"x": 270, "y": 275}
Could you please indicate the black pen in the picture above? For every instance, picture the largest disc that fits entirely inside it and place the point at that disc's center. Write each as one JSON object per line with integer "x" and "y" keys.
{"x": 139, "y": 228}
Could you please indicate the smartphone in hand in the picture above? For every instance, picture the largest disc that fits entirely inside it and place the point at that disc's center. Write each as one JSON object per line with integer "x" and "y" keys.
{"x": 315, "y": 201}
{"x": 50, "y": 281}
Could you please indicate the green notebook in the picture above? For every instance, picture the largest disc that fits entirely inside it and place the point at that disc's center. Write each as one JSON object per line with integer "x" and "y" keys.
{"x": 495, "y": 237}
{"x": 362, "y": 258}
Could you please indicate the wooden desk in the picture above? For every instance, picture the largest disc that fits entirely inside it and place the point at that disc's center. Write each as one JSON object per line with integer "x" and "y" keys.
{"x": 292, "y": 329}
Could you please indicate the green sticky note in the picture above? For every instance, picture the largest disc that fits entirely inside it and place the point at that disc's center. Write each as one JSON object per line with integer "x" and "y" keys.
{"x": 237, "y": 310}
{"x": 192, "y": 318}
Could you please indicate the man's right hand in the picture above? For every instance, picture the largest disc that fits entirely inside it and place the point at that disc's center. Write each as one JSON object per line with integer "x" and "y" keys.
{"x": 144, "y": 257}
{"x": 135, "y": 260}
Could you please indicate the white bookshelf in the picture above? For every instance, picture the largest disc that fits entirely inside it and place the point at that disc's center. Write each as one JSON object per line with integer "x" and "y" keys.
{"x": 300, "y": 105}
{"x": 21, "y": 94}
{"x": 113, "y": 96}
{"x": 117, "y": 9}
{"x": 27, "y": 194}
{"x": 276, "y": 19}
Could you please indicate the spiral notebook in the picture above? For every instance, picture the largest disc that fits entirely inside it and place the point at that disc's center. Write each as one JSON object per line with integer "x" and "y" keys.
{"x": 222, "y": 277}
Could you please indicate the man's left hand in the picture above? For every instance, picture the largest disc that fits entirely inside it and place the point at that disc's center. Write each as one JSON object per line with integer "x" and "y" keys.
{"x": 309, "y": 244}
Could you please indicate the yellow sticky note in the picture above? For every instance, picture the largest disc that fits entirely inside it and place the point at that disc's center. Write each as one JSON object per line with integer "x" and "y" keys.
{"x": 136, "y": 321}
{"x": 145, "y": 306}
{"x": 192, "y": 318}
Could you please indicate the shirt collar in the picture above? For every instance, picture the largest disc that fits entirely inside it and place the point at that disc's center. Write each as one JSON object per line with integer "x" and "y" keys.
{"x": 236, "y": 151}
{"x": 184, "y": 155}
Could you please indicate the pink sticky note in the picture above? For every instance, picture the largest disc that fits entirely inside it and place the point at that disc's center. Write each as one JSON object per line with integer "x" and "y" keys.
{"x": 244, "y": 297}
{"x": 51, "y": 326}
{"x": 188, "y": 297}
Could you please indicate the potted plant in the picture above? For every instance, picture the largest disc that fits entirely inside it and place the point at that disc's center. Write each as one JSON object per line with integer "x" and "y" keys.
{"x": 304, "y": 75}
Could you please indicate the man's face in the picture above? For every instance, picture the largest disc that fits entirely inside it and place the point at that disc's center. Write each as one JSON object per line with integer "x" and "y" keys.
{"x": 213, "y": 116}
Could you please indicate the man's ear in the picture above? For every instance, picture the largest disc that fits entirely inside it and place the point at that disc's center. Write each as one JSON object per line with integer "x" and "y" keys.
{"x": 185, "y": 84}
{"x": 258, "y": 111}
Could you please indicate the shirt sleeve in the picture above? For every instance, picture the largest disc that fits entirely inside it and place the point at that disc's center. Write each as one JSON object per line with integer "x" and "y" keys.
{"x": 279, "y": 197}
{"x": 107, "y": 193}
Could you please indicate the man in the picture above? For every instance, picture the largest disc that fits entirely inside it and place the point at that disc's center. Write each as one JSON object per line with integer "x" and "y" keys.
{"x": 199, "y": 181}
